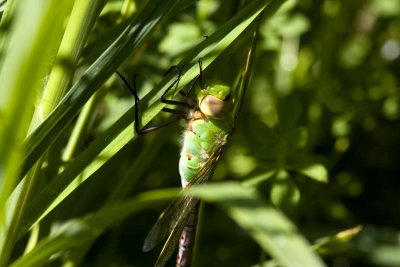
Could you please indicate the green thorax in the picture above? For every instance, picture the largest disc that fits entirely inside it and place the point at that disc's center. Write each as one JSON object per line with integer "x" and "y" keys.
{"x": 209, "y": 125}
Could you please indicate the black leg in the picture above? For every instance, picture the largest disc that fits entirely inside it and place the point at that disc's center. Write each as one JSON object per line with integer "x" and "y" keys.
{"x": 175, "y": 84}
{"x": 178, "y": 114}
{"x": 175, "y": 67}
{"x": 133, "y": 91}
{"x": 197, "y": 79}
{"x": 201, "y": 81}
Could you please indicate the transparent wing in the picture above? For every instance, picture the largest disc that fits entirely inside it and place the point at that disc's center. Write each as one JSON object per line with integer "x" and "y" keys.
{"x": 173, "y": 238}
{"x": 172, "y": 220}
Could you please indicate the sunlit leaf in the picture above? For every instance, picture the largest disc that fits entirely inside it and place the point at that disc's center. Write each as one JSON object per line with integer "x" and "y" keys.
{"x": 265, "y": 224}
{"x": 316, "y": 171}
{"x": 284, "y": 193}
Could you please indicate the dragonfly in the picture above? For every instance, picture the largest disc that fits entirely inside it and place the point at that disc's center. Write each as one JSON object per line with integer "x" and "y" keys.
{"x": 211, "y": 116}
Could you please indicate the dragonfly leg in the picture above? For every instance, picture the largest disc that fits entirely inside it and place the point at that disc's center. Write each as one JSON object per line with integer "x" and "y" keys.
{"x": 175, "y": 67}
{"x": 175, "y": 84}
{"x": 197, "y": 79}
{"x": 178, "y": 114}
{"x": 201, "y": 81}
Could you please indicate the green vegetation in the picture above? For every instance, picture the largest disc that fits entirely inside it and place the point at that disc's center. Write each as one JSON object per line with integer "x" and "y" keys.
{"x": 309, "y": 178}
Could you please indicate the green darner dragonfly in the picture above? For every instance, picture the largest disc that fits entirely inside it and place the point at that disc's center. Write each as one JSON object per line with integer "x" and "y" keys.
{"x": 213, "y": 109}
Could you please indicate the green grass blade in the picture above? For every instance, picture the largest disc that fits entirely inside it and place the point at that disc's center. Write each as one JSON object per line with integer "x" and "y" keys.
{"x": 208, "y": 51}
{"x": 27, "y": 56}
{"x": 111, "y": 141}
{"x": 132, "y": 176}
{"x": 67, "y": 181}
{"x": 73, "y": 233}
{"x": 269, "y": 227}
{"x": 82, "y": 18}
{"x": 77, "y": 233}
{"x": 94, "y": 77}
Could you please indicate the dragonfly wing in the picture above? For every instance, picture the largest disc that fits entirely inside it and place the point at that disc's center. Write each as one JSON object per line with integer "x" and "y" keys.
{"x": 173, "y": 238}
{"x": 173, "y": 219}
{"x": 164, "y": 224}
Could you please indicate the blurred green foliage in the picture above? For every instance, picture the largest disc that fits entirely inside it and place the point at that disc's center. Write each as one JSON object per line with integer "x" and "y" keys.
{"x": 318, "y": 136}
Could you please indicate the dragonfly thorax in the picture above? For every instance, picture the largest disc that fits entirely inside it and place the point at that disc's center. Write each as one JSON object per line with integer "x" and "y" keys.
{"x": 195, "y": 114}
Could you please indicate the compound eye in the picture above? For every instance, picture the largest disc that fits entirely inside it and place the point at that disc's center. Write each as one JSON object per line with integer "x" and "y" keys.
{"x": 212, "y": 106}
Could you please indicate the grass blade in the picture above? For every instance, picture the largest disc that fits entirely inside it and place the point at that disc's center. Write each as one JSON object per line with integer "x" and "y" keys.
{"x": 269, "y": 227}
{"x": 121, "y": 132}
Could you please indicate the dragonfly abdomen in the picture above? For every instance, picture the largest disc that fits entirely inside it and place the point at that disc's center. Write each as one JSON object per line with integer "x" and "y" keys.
{"x": 187, "y": 239}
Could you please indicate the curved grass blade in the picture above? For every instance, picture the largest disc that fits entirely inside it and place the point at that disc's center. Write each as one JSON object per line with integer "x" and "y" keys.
{"x": 75, "y": 233}
{"x": 99, "y": 71}
{"x": 25, "y": 59}
{"x": 94, "y": 77}
{"x": 121, "y": 132}
{"x": 269, "y": 227}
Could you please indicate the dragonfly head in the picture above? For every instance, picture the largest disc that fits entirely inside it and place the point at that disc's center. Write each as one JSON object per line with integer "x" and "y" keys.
{"x": 215, "y": 100}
